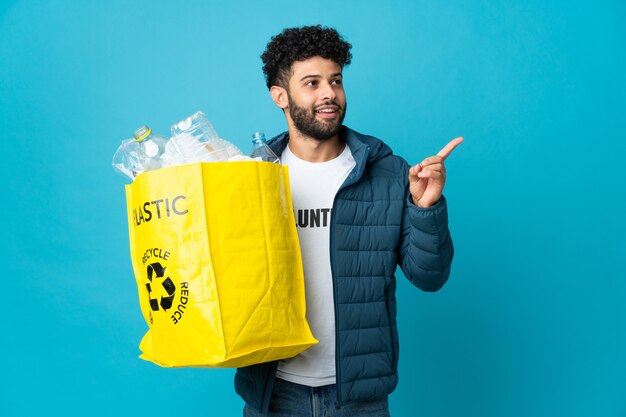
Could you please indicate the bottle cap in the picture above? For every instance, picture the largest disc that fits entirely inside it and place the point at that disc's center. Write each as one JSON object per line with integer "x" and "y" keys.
{"x": 258, "y": 135}
{"x": 141, "y": 133}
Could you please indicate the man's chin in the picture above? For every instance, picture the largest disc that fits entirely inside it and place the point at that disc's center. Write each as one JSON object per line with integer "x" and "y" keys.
{"x": 328, "y": 133}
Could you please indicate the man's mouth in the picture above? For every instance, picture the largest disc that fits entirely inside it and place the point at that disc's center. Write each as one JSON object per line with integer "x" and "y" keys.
{"x": 327, "y": 112}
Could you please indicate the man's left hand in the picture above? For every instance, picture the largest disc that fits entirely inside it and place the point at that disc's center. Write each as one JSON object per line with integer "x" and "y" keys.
{"x": 426, "y": 180}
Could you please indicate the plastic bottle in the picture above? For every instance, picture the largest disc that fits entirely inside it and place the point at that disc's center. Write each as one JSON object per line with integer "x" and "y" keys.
{"x": 196, "y": 140}
{"x": 140, "y": 153}
{"x": 260, "y": 150}
{"x": 152, "y": 147}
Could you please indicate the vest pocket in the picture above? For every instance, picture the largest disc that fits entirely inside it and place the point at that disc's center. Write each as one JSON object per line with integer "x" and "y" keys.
{"x": 390, "y": 304}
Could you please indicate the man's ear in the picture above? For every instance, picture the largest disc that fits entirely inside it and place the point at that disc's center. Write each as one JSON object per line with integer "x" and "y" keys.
{"x": 279, "y": 95}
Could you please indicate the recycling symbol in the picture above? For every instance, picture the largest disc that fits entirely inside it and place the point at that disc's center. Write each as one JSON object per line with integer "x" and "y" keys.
{"x": 167, "y": 289}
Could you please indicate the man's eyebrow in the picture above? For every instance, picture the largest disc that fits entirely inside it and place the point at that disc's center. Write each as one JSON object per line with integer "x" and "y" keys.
{"x": 310, "y": 76}
{"x": 337, "y": 74}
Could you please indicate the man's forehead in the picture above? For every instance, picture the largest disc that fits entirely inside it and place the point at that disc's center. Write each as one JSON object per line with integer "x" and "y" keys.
{"x": 315, "y": 66}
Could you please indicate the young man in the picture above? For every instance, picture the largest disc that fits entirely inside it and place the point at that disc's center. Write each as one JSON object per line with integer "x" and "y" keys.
{"x": 360, "y": 212}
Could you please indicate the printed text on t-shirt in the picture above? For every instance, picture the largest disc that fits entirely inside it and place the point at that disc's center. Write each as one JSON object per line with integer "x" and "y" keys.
{"x": 319, "y": 217}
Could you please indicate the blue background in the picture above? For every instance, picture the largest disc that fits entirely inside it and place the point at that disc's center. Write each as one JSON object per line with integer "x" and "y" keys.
{"x": 533, "y": 319}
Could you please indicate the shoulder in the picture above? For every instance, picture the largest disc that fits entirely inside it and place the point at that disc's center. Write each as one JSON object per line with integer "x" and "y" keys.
{"x": 380, "y": 156}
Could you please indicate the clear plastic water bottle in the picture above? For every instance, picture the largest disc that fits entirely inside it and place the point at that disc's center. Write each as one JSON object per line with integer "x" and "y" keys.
{"x": 152, "y": 147}
{"x": 260, "y": 150}
{"x": 195, "y": 140}
{"x": 140, "y": 153}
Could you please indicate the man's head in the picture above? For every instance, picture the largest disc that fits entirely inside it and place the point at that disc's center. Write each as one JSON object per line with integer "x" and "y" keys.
{"x": 303, "y": 68}
{"x": 300, "y": 44}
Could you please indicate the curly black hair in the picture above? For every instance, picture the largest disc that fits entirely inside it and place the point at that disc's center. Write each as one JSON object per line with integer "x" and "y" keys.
{"x": 299, "y": 44}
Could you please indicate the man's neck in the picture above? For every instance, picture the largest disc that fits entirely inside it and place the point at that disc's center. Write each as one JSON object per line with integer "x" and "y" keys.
{"x": 313, "y": 150}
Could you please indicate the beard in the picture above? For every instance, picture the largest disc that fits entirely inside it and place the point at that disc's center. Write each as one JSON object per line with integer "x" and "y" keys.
{"x": 305, "y": 121}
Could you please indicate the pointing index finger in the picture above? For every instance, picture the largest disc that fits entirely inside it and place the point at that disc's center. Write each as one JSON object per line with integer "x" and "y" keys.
{"x": 447, "y": 150}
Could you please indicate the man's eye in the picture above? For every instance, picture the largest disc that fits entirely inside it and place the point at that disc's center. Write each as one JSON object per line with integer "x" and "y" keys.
{"x": 336, "y": 82}
{"x": 312, "y": 83}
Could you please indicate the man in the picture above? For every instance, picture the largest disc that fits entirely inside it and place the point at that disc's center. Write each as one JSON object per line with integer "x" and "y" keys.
{"x": 360, "y": 212}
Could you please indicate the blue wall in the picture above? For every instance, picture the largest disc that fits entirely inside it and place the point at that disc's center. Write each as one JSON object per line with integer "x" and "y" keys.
{"x": 533, "y": 319}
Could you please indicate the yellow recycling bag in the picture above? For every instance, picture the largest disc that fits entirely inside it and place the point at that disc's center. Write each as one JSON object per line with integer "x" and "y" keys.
{"x": 217, "y": 261}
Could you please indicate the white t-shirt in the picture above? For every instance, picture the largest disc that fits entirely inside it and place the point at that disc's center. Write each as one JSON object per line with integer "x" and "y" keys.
{"x": 313, "y": 189}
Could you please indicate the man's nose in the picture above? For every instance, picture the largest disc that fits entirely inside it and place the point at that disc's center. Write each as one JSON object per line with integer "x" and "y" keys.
{"x": 328, "y": 92}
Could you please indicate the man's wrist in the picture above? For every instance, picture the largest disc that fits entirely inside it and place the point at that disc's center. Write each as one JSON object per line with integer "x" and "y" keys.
{"x": 420, "y": 205}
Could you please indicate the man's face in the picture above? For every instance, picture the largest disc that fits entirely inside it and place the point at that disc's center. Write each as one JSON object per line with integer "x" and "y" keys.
{"x": 317, "y": 101}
